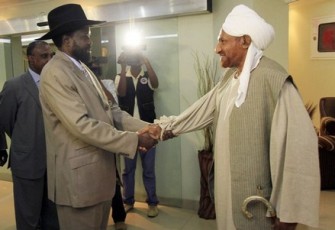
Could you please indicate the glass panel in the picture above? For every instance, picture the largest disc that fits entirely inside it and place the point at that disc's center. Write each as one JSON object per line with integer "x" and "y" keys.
{"x": 5, "y": 60}
{"x": 161, "y": 41}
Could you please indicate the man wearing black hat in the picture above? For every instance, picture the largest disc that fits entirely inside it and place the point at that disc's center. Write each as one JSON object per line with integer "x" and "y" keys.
{"x": 83, "y": 131}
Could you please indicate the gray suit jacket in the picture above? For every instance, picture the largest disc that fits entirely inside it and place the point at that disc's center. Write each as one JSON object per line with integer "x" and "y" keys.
{"x": 82, "y": 135}
{"x": 21, "y": 118}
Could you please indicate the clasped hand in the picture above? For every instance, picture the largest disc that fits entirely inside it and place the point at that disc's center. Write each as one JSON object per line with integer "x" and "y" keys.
{"x": 145, "y": 142}
{"x": 148, "y": 137}
{"x": 151, "y": 133}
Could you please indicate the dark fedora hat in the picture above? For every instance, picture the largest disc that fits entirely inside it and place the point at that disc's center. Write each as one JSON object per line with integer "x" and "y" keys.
{"x": 66, "y": 18}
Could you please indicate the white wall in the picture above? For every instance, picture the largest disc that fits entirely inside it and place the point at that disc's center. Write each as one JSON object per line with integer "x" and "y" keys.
{"x": 315, "y": 78}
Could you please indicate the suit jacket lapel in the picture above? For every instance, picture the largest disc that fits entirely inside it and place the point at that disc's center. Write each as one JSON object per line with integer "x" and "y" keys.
{"x": 80, "y": 74}
{"x": 31, "y": 87}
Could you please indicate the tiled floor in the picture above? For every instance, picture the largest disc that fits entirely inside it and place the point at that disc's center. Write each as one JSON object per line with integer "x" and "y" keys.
{"x": 169, "y": 218}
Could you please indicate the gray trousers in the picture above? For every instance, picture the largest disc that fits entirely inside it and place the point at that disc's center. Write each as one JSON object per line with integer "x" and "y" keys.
{"x": 87, "y": 218}
{"x": 33, "y": 209}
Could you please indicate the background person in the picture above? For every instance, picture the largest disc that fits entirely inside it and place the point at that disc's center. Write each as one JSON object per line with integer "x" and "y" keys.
{"x": 265, "y": 142}
{"x": 135, "y": 89}
{"x": 21, "y": 118}
{"x": 83, "y": 131}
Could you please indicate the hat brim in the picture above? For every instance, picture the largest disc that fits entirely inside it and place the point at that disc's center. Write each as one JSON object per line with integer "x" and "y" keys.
{"x": 68, "y": 27}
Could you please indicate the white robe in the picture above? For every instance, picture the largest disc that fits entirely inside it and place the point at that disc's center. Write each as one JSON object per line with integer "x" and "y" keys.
{"x": 295, "y": 177}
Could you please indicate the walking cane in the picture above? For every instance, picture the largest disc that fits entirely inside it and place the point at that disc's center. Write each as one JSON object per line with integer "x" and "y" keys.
{"x": 249, "y": 199}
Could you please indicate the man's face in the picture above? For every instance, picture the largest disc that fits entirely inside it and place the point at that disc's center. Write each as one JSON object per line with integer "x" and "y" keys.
{"x": 41, "y": 54}
{"x": 231, "y": 50}
{"x": 80, "y": 43}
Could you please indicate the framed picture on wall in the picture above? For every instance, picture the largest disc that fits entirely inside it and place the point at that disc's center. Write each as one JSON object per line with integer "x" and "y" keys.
{"x": 323, "y": 38}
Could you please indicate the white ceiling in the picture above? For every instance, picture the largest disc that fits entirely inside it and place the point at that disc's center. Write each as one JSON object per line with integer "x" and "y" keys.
{"x": 19, "y": 3}
{"x": 22, "y": 16}
{"x": 24, "y": 8}
{"x": 16, "y": 3}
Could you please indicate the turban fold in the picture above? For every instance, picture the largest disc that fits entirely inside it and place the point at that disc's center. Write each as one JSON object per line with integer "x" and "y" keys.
{"x": 244, "y": 21}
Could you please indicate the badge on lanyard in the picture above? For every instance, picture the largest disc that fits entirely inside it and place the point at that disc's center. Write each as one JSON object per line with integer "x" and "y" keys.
{"x": 144, "y": 81}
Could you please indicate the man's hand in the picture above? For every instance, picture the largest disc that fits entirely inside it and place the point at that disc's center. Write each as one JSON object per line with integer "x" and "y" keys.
{"x": 3, "y": 157}
{"x": 153, "y": 130}
{"x": 277, "y": 225}
{"x": 145, "y": 142}
{"x": 143, "y": 60}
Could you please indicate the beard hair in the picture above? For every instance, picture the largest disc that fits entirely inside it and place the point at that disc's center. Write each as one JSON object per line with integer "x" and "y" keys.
{"x": 81, "y": 54}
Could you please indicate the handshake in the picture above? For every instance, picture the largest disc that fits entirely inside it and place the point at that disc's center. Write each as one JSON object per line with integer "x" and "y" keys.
{"x": 148, "y": 137}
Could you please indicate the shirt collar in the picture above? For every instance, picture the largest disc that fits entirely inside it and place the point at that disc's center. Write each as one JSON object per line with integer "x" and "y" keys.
{"x": 36, "y": 77}
{"x": 77, "y": 63}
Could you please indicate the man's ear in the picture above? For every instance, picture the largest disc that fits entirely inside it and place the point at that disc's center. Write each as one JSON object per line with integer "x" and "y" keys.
{"x": 30, "y": 58}
{"x": 245, "y": 41}
{"x": 66, "y": 40}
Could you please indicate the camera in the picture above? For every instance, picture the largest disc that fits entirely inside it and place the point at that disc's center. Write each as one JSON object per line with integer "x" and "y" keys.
{"x": 133, "y": 54}
{"x": 133, "y": 58}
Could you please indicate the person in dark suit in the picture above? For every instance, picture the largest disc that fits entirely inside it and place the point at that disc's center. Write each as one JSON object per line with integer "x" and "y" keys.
{"x": 84, "y": 130}
{"x": 21, "y": 119}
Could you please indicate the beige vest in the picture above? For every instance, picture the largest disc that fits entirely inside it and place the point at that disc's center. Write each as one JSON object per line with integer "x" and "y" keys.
{"x": 250, "y": 130}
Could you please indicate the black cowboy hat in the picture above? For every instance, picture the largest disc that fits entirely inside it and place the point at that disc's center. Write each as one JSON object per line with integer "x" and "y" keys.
{"x": 66, "y": 18}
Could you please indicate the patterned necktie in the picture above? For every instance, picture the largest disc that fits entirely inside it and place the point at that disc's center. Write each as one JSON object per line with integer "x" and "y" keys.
{"x": 95, "y": 83}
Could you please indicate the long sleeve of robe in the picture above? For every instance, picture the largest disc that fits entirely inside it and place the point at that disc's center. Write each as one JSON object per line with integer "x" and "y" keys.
{"x": 294, "y": 161}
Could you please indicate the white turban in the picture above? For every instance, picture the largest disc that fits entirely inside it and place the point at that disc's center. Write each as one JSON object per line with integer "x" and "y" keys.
{"x": 244, "y": 21}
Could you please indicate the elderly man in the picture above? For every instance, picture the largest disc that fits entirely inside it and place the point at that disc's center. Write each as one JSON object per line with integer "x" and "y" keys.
{"x": 84, "y": 130}
{"x": 265, "y": 143}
